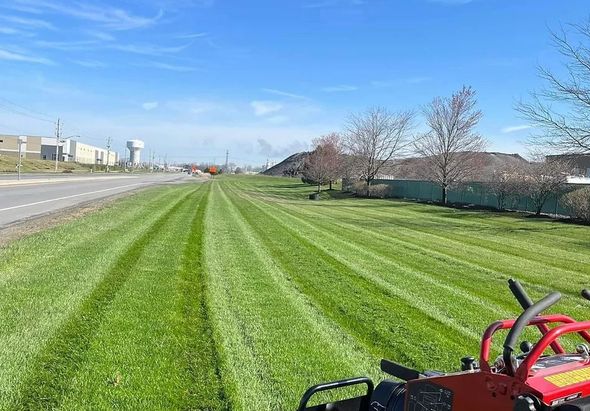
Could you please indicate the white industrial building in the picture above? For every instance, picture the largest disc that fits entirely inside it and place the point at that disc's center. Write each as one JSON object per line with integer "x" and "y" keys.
{"x": 72, "y": 150}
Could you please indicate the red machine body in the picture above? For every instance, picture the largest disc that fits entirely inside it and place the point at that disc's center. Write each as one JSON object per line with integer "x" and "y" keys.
{"x": 542, "y": 378}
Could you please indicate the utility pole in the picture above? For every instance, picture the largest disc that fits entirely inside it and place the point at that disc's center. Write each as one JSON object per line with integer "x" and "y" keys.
{"x": 108, "y": 153}
{"x": 226, "y": 161}
{"x": 125, "y": 158}
{"x": 57, "y": 136}
{"x": 153, "y": 158}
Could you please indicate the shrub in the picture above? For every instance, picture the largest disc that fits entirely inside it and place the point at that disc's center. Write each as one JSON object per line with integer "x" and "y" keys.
{"x": 359, "y": 188}
{"x": 377, "y": 190}
{"x": 579, "y": 203}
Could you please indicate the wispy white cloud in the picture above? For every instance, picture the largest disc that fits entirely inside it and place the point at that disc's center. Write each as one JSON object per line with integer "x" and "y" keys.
{"x": 169, "y": 67}
{"x": 150, "y": 105}
{"x": 109, "y": 17}
{"x": 28, "y": 22}
{"x": 90, "y": 63}
{"x": 512, "y": 129}
{"x": 100, "y": 35}
{"x": 67, "y": 45}
{"x": 148, "y": 49}
{"x": 283, "y": 93}
{"x": 16, "y": 32}
{"x": 263, "y": 108}
{"x": 190, "y": 36}
{"x": 25, "y": 58}
{"x": 339, "y": 88}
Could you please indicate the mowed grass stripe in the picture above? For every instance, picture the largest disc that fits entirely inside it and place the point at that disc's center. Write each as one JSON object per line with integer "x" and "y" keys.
{"x": 204, "y": 385}
{"x": 523, "y": 267}
{"x": 450, "y": 267}
{"x": 32, "y": 253}
{"x": 137, "y": 358}
{"x": 376, "y": 312}
{"x": 56, "y": 365}
{"x": 488, "y": 239}
{"x": 398, "y": 271}
{"x": 36, "y": 302}
{"x": 262, "y": 321}
{"x": 544, "y": 233}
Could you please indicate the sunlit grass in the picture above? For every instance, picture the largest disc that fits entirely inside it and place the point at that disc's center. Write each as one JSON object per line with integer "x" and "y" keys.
{"x": 240, "y": 293}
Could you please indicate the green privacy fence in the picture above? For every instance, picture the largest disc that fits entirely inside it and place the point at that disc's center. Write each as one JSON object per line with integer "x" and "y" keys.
{"x": 468, "y": 193}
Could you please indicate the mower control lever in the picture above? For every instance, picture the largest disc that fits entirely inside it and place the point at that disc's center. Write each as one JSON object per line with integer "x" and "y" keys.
{"x": 525, "y": 302}
{"x": 521, "y": 322}
{"x": 399, "y": 371}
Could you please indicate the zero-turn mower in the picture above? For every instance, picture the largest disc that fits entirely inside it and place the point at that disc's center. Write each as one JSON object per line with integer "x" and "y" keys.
{"x": 541, "y": 377}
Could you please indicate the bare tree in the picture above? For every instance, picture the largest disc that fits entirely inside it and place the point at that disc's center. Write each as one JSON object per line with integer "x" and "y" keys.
{"x": 561, "y": 111}
{"x": 375, "y": 137}
{"x": 544, "y": 179}
{"x": 324, "y": 165}
{"x": 450, "y": 150}
{"x": 332, "y": 144}
{"x": 506, "y": 184}
{"x": 578, "y": 202}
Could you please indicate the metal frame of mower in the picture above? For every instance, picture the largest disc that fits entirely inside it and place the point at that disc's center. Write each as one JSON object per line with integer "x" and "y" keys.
{"x": 529, "y": 381}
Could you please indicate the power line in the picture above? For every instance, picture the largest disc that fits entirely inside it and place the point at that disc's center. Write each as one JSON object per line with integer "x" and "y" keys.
{"x": 25, "y": 108}
{"x": 22, "y": 113}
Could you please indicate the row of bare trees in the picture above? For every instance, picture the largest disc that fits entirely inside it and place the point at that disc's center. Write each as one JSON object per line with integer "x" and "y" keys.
{"x": 537, "y": 180}
{"x": 374, "y": 139}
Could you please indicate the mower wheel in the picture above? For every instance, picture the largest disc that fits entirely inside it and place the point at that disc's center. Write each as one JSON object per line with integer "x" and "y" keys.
{"x": 388, "y": 396}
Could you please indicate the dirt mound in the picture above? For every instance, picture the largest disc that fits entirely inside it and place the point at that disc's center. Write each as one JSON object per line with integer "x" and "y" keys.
{"x": 292, "y": 166}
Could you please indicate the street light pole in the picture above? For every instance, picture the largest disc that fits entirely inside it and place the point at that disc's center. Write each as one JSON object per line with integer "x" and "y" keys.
{"x": 21, "y": 140}
{"x": 57, "y": 133}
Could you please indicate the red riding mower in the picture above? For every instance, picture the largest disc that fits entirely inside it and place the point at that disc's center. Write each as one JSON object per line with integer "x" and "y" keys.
{"x": 530, "y": 381}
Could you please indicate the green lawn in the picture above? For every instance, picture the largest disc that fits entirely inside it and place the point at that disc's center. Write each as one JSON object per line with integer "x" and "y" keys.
{"x": 239, "y": 293}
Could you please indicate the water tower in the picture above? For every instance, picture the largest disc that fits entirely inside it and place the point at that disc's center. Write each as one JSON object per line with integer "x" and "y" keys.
{"x": 135, "y": 147}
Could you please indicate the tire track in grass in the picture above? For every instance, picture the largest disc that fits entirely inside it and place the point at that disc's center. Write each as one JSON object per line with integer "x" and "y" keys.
{"x": 202, "y": 363}
{"x": 56, "y": 365}
{"x": 279, "y": 345}
{"x": 378, "y": 315}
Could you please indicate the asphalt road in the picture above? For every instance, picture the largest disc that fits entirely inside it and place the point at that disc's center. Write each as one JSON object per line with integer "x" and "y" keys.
{"x": 38, "y": 195}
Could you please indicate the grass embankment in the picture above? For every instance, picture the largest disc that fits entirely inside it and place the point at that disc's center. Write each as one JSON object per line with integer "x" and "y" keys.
{"x": 240, "y": 293}
{"x": 8, "y": 165}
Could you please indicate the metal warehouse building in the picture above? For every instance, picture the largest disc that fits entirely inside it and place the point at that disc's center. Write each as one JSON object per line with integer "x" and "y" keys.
{"x": 30, "y": 149}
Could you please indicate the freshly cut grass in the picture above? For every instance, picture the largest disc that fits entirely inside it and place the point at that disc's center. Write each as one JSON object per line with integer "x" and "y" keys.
{"x": 240, "y": 293}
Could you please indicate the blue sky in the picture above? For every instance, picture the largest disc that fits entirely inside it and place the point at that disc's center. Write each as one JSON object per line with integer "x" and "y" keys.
{"x": 261, "y": 78}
